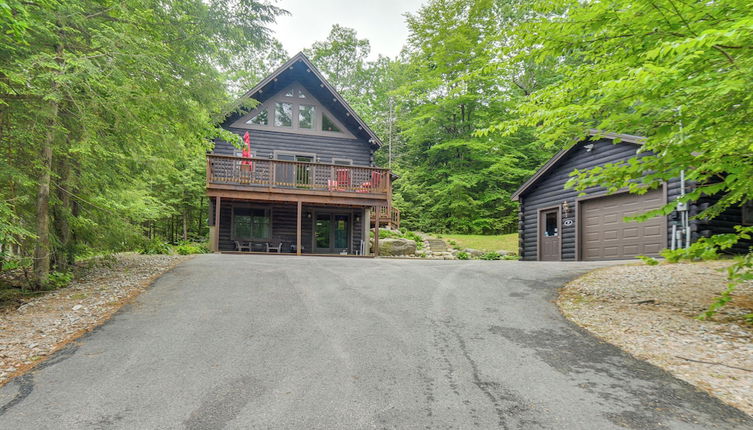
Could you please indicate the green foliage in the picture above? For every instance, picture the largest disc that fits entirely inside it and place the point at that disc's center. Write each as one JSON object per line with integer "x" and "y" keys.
{"x": 678, "y": 73}
{"x": 490, "y": 256}
{"x": 155, "y": 246}
{"x": 127, "y": 96}
{"x": 187, "y": 248}
{"x": 462, "y": 255}
{"x": 453, "y": 179}
{"x": 649, "y": 261}
{"x": 56, "y": 280}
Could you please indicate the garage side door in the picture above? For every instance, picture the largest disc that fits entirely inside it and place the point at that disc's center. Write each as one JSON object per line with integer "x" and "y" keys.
{"x": 604, "y": 235}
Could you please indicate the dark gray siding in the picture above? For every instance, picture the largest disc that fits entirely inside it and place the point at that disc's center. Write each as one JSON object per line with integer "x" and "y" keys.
{"x": 722, "y": 224}
{"x": 264, "y": 143}
{"x": 284, "y": 224}
{"x": 550, "y": 191}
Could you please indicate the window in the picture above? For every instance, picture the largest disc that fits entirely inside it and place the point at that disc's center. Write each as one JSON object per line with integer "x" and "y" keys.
{"x": 306, "y": 116}
{"x": 283, "y": 114}
{"x": 748, "y": 213}
{"x": 301, "y": 95}
{"x": 261, "y": 118}
{"x": 328, "y": 124}
{"x": 289, "y": 93}
{"x": 342, "y": 161}
{"x": 250, "y": 223}
{"x": 550, "y": 229}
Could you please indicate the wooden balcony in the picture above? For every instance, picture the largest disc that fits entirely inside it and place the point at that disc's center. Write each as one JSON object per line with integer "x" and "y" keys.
{"x": 389, "y": 216}
{"x": 280, "y": 180}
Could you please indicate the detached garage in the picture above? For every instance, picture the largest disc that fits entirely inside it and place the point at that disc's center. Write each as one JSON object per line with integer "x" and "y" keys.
{"x": 557, "y": 224}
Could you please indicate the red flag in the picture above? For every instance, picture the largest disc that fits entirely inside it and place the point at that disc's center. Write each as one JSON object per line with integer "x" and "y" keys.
{"x": 247, "y": 149}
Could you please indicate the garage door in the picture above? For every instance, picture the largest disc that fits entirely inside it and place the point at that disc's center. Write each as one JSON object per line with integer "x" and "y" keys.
{"x": 604, "y": 235}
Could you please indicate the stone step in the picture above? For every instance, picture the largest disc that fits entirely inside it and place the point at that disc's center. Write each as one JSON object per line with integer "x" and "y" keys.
{"x": 437, "y": 245}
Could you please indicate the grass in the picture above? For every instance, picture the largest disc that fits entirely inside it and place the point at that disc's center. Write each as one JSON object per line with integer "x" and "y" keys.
{"x": 506, "y": 242}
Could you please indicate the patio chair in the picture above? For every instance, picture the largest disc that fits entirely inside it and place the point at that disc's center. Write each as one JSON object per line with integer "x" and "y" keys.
{"x": 240, "y": 246}
{"x": 343, "y": 178}
{"x": 277, "y": 248}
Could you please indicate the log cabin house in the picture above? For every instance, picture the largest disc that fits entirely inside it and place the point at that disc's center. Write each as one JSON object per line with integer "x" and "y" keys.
{"x": 306, "y": 182}
{"x": 558, "y": 223}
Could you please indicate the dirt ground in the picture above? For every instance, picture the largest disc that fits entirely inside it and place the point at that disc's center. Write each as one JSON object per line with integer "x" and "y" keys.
{"x": 650, "y": 312}
{"x": 41, "y": 326}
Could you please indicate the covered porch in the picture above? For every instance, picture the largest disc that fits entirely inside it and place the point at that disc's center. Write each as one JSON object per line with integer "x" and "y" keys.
{"x": 278, "y": 227}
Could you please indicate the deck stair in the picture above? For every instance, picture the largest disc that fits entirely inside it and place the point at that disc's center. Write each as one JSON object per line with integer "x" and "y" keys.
{"x": 437, "y": 245}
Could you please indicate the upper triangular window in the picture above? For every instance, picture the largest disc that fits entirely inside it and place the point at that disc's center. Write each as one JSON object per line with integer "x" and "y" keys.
{"x": 293, "y": 110}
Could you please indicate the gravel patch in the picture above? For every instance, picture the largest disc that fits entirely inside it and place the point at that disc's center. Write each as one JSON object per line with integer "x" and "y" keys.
{"x": 649, "y": 311}
{"x": 38, "y": 328}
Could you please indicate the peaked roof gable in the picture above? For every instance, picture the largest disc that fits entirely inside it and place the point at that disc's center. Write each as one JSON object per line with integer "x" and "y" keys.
{"x": 300, "y": 68}
{"x": 549, "y": 165}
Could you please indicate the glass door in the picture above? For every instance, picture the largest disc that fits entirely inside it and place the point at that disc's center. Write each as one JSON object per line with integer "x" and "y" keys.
{"x": 322, "y": 233}
{"x": 332, "y": 233}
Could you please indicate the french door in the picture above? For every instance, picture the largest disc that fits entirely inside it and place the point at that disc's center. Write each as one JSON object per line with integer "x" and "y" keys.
{"x": 294, "y": 175}
{"x": 331, "y": 233}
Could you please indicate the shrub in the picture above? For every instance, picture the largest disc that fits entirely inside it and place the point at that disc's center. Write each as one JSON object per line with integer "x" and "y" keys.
{"x": 648, "y": 260}
{"x": 462, "y": 255}
{"x": 491, "y": 256}
{"x": 188, "y": 248}
{"x": 57, "y": 280}
{"x": 155, "y": 246}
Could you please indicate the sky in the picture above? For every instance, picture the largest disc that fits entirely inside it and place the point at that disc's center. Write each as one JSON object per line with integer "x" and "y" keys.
{"x": 379, "y": 21}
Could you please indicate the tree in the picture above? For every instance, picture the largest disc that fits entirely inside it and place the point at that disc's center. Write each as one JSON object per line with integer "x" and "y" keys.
{"x": 678, "y": 73}
{"x": 454, "y": 179}
{"x": 98, "y": 97}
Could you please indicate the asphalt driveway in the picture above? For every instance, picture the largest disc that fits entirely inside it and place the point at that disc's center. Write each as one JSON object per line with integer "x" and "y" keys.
{"x": 227, "y": 341}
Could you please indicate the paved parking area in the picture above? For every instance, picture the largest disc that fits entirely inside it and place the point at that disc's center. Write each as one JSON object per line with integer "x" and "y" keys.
{"x": 232, "y": 341}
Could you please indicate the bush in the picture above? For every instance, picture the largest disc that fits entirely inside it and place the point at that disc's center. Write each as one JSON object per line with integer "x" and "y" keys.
{"x": 462, "y": 255}
{"x": 155, "y": 246}
{"x": 491, "y": 256}
{"x": 188, "y": 248}
{"x": 57, "y": 280}
{"x": 648, "y": 260}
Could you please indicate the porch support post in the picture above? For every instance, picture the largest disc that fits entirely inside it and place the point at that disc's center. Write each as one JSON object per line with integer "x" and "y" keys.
{"x": 298, "y": 229}
{"x": 377, "y": 210}
{"x": 216, "y": 238}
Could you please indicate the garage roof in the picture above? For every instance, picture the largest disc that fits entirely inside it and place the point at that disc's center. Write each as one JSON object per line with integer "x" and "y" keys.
{"x": 554, "y": 160}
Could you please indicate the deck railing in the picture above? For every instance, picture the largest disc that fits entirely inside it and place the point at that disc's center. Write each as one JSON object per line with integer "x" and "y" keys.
{"x": 389, "y": 216}
{"x": 259, "y": 172}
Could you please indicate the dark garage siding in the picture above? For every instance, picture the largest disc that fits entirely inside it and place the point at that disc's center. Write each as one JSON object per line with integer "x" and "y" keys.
{"x": 550, "y": 191}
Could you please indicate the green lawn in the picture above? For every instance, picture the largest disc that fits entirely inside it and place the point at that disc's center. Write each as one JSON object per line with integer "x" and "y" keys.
{"x": 507, "y": 242}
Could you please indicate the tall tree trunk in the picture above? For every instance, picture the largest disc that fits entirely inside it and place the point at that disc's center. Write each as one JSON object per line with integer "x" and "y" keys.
{"x": 42, "y": 247}
{"x": 185, "y": 224}
{"x": 62, "y": 225}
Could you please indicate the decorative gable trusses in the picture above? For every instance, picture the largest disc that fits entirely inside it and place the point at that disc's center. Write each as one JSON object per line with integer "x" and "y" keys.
{"x": 294, "y": 110}
{"x": 305, "y": 98}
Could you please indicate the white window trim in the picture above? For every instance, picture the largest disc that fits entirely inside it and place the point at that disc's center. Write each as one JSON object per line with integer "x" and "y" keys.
{"x": 310, "y": 100}
{"x": 347, "y": 160}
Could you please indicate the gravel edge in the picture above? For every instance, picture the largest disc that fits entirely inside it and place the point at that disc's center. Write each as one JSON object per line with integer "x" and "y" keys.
{"x": 35, "y": 331}
{"x": 642, "y": 310}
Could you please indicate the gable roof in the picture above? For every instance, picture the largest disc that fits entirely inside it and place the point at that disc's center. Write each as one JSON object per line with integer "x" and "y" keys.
{"x": 300, "y": 68}
{"x": 549, "y": 165}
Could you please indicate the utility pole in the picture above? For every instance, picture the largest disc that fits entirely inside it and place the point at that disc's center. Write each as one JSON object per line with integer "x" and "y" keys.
{"x": 389, "y": 143}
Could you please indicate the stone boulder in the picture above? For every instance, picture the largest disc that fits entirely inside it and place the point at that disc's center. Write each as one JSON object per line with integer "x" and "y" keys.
{"x": 397, "y": 247}
{"x": 474, "y": 253}
{"x": 503, "y": 253}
